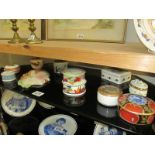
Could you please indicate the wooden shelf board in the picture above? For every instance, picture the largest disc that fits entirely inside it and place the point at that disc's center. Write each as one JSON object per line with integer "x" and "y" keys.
{"x": 127, "y": 56}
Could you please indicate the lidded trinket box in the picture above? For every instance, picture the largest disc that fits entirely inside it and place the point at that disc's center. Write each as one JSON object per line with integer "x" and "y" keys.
{"x": 107, "y": 95}
{"x": 74, "y": 82}
{"x": 115, "y": 75}
{"x": 136, "y": 109}
{"x": 138, "y": 87}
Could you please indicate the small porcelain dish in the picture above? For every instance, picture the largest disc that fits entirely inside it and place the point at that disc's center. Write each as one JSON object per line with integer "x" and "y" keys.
{"x": 136, "y": 109}
{"x": 16, "y": 105}
{"x": 34, "y": 78}
{"x": 107, "y": 95}
{"x": 138, "y": 87}
{"x": 58, "y": 125}
{"x": 74, "y": 90}
{"x": 73, "y": 75}
{"x": 102, "y": 129}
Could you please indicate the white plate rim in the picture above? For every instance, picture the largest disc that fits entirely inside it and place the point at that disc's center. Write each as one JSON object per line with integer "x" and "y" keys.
{"x": 149, "y": 44}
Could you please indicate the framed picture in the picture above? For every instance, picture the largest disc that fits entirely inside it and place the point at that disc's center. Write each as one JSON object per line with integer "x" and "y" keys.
{"x": 23, "y": 25}
{"x": 107, "y": 30}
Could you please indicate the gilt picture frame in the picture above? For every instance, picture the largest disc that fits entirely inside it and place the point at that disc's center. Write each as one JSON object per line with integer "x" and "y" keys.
{"x": 6, "y": 32}
{"x": 100, "y": 30}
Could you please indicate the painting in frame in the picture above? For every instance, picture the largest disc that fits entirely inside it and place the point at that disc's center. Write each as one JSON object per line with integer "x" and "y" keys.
{"x": 6, "y": 32}
{"x": 106, "y": 30}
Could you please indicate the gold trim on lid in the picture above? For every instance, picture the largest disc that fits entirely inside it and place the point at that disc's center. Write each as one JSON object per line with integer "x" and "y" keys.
{"x": 109, "y": 90}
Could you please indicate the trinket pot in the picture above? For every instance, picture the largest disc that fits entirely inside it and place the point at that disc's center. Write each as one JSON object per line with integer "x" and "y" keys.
{"x": 73, "y": 75}
{"x": 107, "y": 95}
{"x": 138, "y": 87}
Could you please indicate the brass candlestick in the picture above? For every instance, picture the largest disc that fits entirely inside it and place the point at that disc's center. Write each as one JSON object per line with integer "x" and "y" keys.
{"x": 16, "y": 38}
{"x": 33, "y": 39}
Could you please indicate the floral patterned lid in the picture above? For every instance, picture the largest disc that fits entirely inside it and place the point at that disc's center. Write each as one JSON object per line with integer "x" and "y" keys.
{"x": 139, "y": 84}
{"x": 137, "y": 104}
{"x": 73, "y": 72}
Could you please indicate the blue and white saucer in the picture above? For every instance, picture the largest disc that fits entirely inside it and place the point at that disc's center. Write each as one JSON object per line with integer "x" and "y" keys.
{"x": 102, "y": 129}
{"x": 17, "y": 105}
{"x": 58, "y": 125}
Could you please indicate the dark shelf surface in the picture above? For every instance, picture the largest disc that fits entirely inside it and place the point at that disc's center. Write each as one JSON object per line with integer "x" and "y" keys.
{"x": 53, "y": 95}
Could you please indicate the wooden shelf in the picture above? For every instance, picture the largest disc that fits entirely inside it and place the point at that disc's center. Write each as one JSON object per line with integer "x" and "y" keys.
{"x": 127, "y": 56}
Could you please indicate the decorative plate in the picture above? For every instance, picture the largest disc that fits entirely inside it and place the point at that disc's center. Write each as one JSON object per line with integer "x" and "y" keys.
{"x": 16, "y": 105}
{"x": 145, "y": 29}
{"x": 58, "y": 125}
{"x": 102, "y": 129}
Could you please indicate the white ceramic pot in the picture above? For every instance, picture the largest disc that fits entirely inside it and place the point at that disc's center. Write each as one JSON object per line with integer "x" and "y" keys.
{"x": 108, "y": 95}
{"x": 138, "y": 87}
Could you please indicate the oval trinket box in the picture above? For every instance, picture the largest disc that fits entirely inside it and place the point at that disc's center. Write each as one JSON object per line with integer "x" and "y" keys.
{"x": 136, "y": 109}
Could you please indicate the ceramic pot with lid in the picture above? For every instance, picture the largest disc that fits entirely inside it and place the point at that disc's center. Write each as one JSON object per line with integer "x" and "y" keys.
{"x": 136, "y": 109}
{"x": 138, "y": 87}
{"x": 73, "y": 75}
{"x": 108, "y": 95}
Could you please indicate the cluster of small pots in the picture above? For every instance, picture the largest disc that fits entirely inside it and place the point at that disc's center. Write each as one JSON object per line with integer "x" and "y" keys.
{"x": 133, "y": 107}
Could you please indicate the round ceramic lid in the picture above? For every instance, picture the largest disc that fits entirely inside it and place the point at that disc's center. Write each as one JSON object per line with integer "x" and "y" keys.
{"x": 109, "y": 90}
{"x": 11, "y": 67}
{"x": 58, "y": 125}
{"x": 137, "y": 104}
{"x": 145, "y": 29}
{"x": 102, "y": 129}
{"x": 139, "y": 84}
{"x": 16, "y": 105}
{"x": 73, "y": 72}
